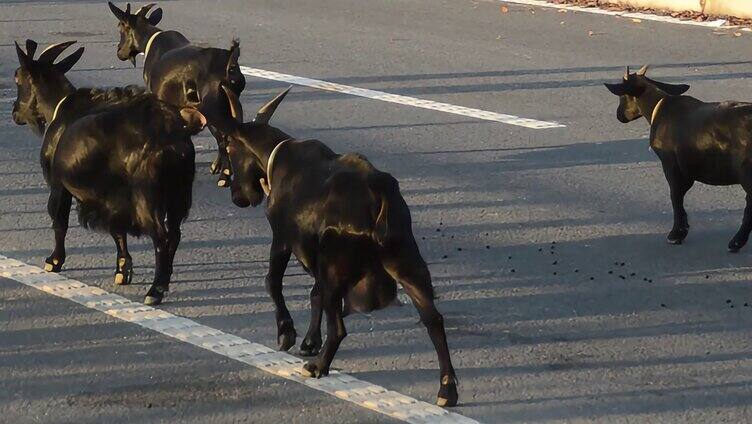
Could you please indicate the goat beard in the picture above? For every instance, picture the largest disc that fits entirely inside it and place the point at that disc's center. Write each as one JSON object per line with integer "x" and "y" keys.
{"x": 38, "y": 126}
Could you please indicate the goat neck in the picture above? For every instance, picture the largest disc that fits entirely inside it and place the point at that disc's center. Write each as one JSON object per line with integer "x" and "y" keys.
{"x": 649, "y": 101}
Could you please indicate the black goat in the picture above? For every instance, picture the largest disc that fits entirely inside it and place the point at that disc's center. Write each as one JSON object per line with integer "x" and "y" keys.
{"x": 171, "y": 62}
{"x": 125, "y": 156}
{"x": 345, "y": 221}
{"x": 695, "y": 141}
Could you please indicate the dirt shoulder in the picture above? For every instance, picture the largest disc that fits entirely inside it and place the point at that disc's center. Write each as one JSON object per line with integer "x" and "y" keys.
{"x": 689, "y": 15}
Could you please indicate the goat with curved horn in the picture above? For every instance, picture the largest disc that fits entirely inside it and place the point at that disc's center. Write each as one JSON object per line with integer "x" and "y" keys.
{"x": 143, "y": 10}
{"x": 643, "y": 70}
{"x": 52, "y": 52}
{"x": 236, "y": 110}
{"x": 265, "y": 113}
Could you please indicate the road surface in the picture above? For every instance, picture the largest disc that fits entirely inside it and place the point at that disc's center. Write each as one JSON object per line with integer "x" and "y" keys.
{"x": 562, "y": 300}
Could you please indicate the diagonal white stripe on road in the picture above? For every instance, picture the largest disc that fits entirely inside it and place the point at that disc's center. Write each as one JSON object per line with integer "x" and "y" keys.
{"x": 403, "y": 100}
{"x": 340, "y": 385}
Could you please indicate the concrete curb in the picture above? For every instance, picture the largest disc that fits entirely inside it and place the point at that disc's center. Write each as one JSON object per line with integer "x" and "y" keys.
{"x": 735, "y": 8}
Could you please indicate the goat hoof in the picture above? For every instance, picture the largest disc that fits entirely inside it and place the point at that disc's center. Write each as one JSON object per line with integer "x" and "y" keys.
{"x": 735, "y": 245}
{"x": 124, "y": 272}
{"x": 227, "y": 172}
{"x": 677, "y": 236}
{"x": 285, "y": 341}
{"x": 314, "y": 370}
{"x": 123, "y": 278}
{"x": 153, "y": 300}
{"x": 447, "y": 396}
{"x": 53, "y": 265}
{"x": 222, "y": 182}
{"x": 214, "y": 167}
{"x": 154, "y": 296}
{"x": 309, "y": 348}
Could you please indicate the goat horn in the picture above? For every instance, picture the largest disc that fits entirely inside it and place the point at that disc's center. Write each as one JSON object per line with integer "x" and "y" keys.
{"x": 143, "y": 10}
{"x": 265, "y": 113}
{"x": 643, "y": 70}
{"x": 236, "y": 110}
{"x": 127, "y": 9}
{"x": 52, "y": 52}
{"x": 626, "y": 74}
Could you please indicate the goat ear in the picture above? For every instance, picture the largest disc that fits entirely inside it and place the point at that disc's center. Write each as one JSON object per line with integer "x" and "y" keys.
{"x": 617, "y": 89}
{"x": 672, "y": 89}
{"x": 23, "y": 59}
{"x": 155, "y": 17}
{"x": 31, "y": 48}
{"x": 66, "y": 64}
{"x": 265, "y": 113}
{"x": 119, "y": 14}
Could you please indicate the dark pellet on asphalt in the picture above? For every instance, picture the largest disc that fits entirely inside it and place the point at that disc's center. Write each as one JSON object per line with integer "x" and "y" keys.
{"x": 728, "y": 300}
{"x": 512, "y": 269}
{"x": 663, "y": 305}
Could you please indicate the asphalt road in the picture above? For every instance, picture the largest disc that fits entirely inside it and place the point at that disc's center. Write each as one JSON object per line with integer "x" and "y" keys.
{"x": 609, "y": 324}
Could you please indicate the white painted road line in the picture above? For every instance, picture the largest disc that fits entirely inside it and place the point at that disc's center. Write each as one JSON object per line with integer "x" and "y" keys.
{"x": 719, "y": 23}
{"x": 342, "y": 386}
{"x": 403, "y": 100}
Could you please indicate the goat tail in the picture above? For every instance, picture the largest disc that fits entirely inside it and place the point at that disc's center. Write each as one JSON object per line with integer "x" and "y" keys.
{"x": 393, "y": 217}
{"x": 381, "y": 227}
